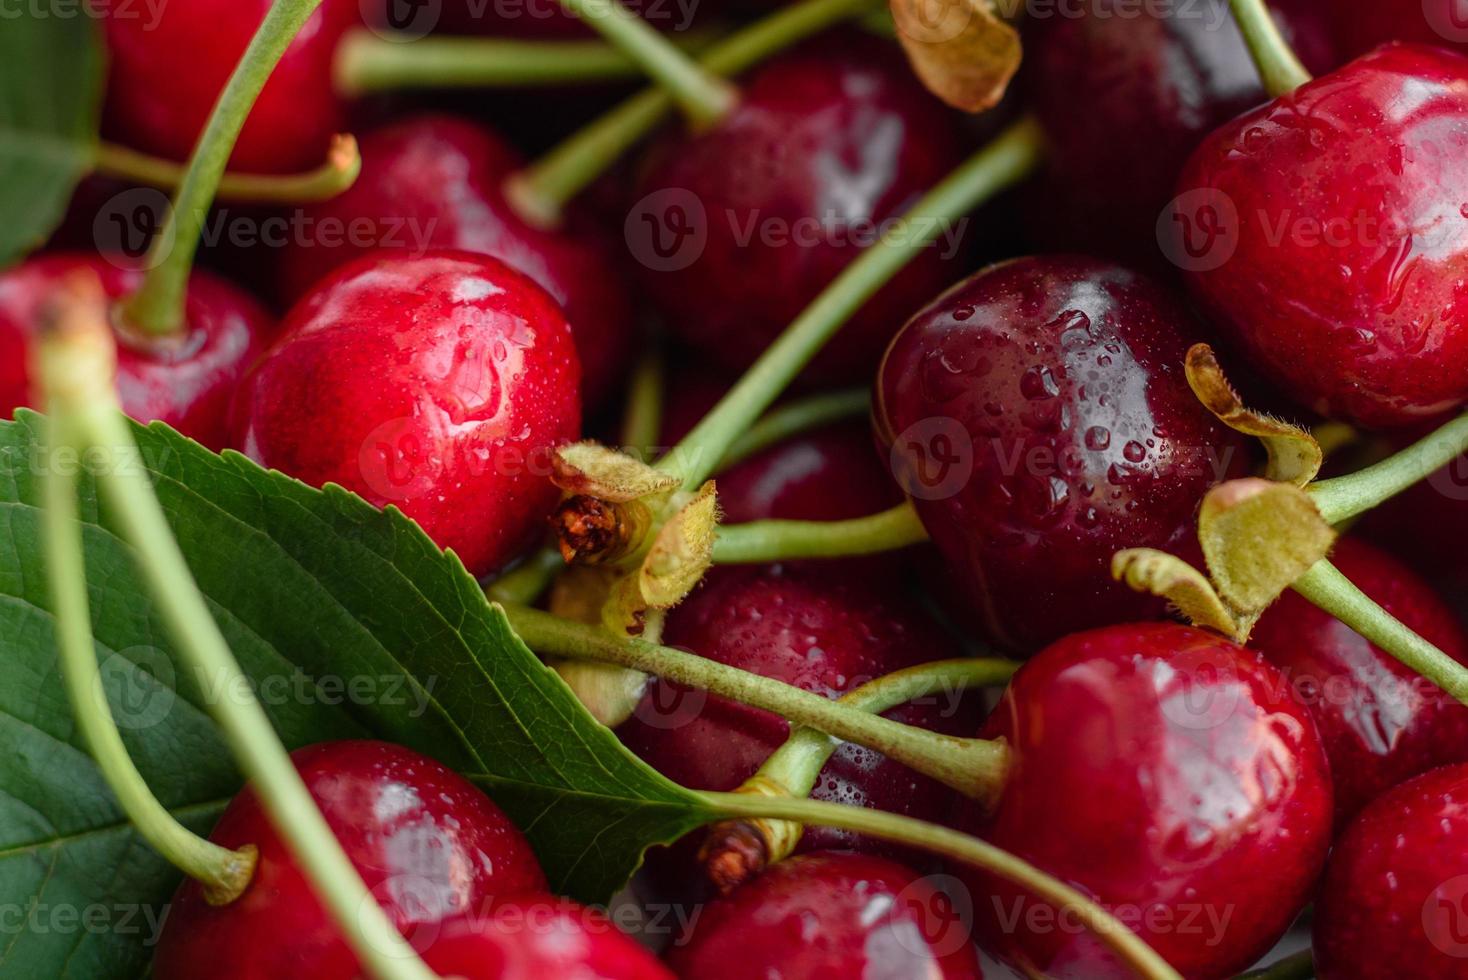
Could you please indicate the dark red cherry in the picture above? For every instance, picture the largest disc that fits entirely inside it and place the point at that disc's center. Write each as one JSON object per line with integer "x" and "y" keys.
{"x": 186, "y": 382}
{"x": 740, "y": 227}
{"x": 169, "y": 62}
{"x": 1329, "y": 236}
{"x": 437, "y": 182}
{"x": 824, "y": 631}
{"x": 1112, "y": 76}
{"x": 1157, "y": 769}
{"x": 440, "y": 384}
{"x": 538, "y": 939}
{"x": 1396, "y": 889}
{"x": 826, "y": 916}
{"x": 1364, "y": 24}
{"x": 427, "y": 843}
{"x": 1382, "y": 723}
{"x": 1427, "y": 524}
{"x": 1039, "y": 417}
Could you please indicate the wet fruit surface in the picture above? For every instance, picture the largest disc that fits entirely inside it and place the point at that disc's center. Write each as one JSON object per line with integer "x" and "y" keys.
{"x": 1364, "y": 24}
{"x": 1212, "y": 807}
{"x": 439, "y": 384}
{"x": 1041, "y": 421}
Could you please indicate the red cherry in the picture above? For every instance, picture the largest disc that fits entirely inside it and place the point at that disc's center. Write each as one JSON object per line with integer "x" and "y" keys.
{"x": 186, "y": 383}
{"x": 824, "y": 632}
{"x": 437, "y": 182}
{"x": 170, "y": 61}
{"x": 828, "y": 474}
{"x": 1114, "y": 76}
{"x": 1155, "y": 768}
{"x": 546, "y": 939}
{"x": 1040, "y": 418}
{"x": 827, "y": 142}
{"x": 827, "y": 916}
{"x": 1338, "y": 220}
{"x": 1381, "y": 722}
{"x": 1364, "y": 24}
{"x": 439, "y": 384}
{"x": 1393, "y": 899}
{"x": 1427, "y": 524}
{"x": 427, "y": 843}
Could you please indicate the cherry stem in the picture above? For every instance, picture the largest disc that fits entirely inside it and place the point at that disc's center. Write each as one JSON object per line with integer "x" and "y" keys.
{"x": 1279, "y": 68}
{"x": 974, "y": 767}
{"x": 542, "y": 190}
{"x": 760, "y": 542}
{"x": 1325, "y": 586}
{"x": 1345, "y": 497}
{"x": 702, "y": 95}
{"x": 642, "y": 419}
{"x": 1004, "y": 162}
{"x": 1300, "y": 966}
{"x": 341, "y": 169}
{"x": 959, "y": 847}
{"x": 223, "y": 873}
{"x": 157, "y": 308}
{"x": 787, "y": 421}
{"x": 83, "y": 385}
{"x": 524, "y": 584}
{"x": 366, "y": 62}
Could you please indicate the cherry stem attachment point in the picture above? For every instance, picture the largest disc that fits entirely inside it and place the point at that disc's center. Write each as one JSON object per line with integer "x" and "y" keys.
{"x": 769, "y": 541}
{"x": 340, "y": 171}
{"x": 1279, "y": 68}
{"x": 975, "y": 767}
{"x": 958, "y": 847}
{"x": 703, "y": 96}
{"x": 157, "y": 308}
{"x": 786, "y": 421}
{"x": 1011, "y": 157}
{"x": 1345, "y": 497}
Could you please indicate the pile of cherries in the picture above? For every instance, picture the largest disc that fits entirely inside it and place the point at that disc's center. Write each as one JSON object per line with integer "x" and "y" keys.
{"x": 1035, "y": 412}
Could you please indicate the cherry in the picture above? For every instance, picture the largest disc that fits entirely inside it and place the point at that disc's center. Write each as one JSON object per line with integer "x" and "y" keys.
{"x": 1039, "y": 416}
{"x": 435, "y": 181}
{"x": 1343, "y": 236}
{"x": 530, "y": 939}
{"x": 426, "y": 842}
{"x": 185, "y": 382}
{"x": 1114, "y": 76}
{"x": 440, "y": 384}
{"x": 829, "y": 915}
{"x": 824, "y": 631}
{"x": 1427, "y": 524}
{"x": 1381, "y": 722}
{"x": 1364, "y": 24}
{"x": 740, "y": 227}
{"x": 153, "y": 50}
{"x": 1156, "y": 769}
{"x": 1392, "y": 902}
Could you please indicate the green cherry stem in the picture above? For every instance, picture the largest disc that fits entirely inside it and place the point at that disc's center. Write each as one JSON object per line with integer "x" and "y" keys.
{"x": 541, "y": 191}
{"x": 1345, "y": 497}
{"x": 786, "y": 421}
{"x": 642, "y": 418}
{"x": 157, "y": 308}
{"x": 1279, "y": 68}
{"x": 767, "y": 541}
{"x": 702, "y": 95}
{"x": 1326, "y": 587}
{"x": 341, "y": 169}
{"x": 974, "y": 767}
{"x": 958, "y": 847}
{"x": 524, "y": 584}
{"x": 1004, "y": 162}
{"x": 1300, "y": 966}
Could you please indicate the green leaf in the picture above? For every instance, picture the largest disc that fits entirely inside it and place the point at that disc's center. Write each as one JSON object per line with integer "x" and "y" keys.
{"x": 51, "y": 83}
{"x": 316, "y": 591}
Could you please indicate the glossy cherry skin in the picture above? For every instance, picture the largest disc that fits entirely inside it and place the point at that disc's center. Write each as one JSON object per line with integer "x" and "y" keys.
{"x": 823, "y": 631}
{"x": 186, "y": 383}
{"x": 1393, "y": 899}
{"x": 1116, "y": 75}
{"x": 827, "y": 141}
{"x": 1381, "y": 722}
{"x": 537, "y": 939}
{"x": 440, "y": 384}
{"x": 436, "y": 181}
{"x": 1350, "y": 248}
{"x": 153, "y": 49}
{"x": 1156, "y": 768}
{"x": 829, "y": 916}
{"x": 1364, "y": 24}
{"x": 428, "y": 844}
{"x": 1039, "y": 416}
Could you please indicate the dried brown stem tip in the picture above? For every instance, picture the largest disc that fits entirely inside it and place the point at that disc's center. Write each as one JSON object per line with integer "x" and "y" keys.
{"x": 76, "y": 357}
{"x": 734, "y": 852}
{"x": 588, "y": 530}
